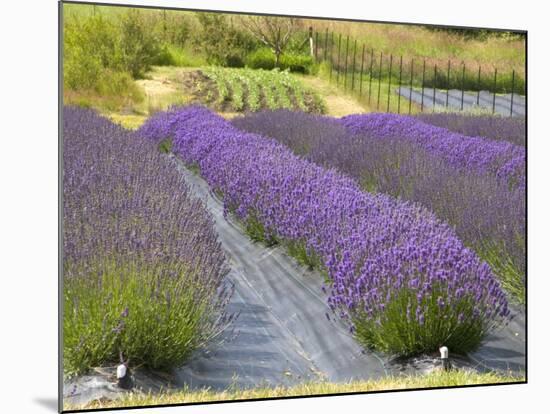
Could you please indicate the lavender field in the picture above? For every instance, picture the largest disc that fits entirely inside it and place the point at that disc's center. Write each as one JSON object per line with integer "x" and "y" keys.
{"x": 245, "y": 213}
{"x": 369, "y": 237}
{"x": 474, "y": 184}
{"x": 412, "y": 274}
{"x": 512, "y": 129}
{"x": 143, "y": 269}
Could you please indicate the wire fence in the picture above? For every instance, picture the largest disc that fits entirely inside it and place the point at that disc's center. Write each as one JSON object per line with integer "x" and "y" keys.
{"x": 404, "y": 85}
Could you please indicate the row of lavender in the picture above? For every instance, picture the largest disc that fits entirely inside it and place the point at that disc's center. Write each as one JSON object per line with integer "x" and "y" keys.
{"x": 400, "y": 277}
{"x": 487, "y": 213}
{"x": 503, "y": 159}
{"x": 143, "y": 270}
{"x": 493, "y": 127}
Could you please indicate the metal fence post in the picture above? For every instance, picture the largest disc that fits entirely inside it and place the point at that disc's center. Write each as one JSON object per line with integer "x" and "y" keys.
{"x": 389, "y": 85}
{"x": 448, "y": 82}
{"x": 512, "y": 96}
{"x": 379, "y": 82}
{"x": 361, "y": 76}
{"x": 434, "y": 86}
{"x": 353, "y": 66}
{"x": 326, "y": 44}
{"x": 478, "y": 84}
{"x": 400, "y": 73}
{"x": 423, "y": 78}
{"x": 411, "y": 86}
{"x": 462, "y": 87}
{"x": 495, "y": 91}
{"x": 346, "y": 64}
{"x": 316, "y": 45}
{"x": 338, "y": 60}
{"x": 370, "y": 71}
{"x": 331, "y": 55}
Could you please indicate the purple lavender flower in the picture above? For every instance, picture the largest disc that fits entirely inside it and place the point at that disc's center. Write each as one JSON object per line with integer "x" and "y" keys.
{"x": 369, "y": 243}
{"x": 128, "y": 213}
{"x": 381, "y": 152}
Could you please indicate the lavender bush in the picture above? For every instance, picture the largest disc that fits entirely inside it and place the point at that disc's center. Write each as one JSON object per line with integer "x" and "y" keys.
{"x": 143, "y": 270}
{"x": 500, "y": 158}
{"x": 511, "y": 129}
{"x": 400, "y": 277}
{"x": 485, "y": 212}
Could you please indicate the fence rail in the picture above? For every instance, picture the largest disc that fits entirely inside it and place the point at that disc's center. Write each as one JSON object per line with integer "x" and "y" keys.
{"x": 358, "y": 68}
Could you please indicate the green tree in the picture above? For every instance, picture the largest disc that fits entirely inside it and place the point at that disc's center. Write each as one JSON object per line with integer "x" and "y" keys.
{"x": 274, "y": 32}
{"x": 221, "y": 42}
{"x": 138, "y": 46}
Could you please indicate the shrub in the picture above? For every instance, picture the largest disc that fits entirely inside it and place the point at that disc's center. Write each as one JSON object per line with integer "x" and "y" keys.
{"x": 297, "y": 63}
{"x": 90, "y": 45}
{"x": 407, "y": 326}
{"x": 378, "y": 252}
{"x": 165, "y": 57}
{"x": 143, "y": 269}
{"x": 138, "y": 47}
{"x": 222, "y": 43}
{"x": 100, "y": 58}
{"x": 263, "y": 58}
{"x": 119, "y": 84}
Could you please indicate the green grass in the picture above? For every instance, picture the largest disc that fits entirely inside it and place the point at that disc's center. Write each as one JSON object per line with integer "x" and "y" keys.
{"x": 434, "y": 379}
{"x": 371, "y": 94}
{"x": 173, "y": 55}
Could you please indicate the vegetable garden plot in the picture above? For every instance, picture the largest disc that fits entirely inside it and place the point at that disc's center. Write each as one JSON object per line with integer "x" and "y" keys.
{"x": 250, "y": 90}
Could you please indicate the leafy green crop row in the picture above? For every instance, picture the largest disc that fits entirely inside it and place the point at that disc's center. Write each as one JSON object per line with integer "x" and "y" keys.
{"x": 252, "y": 90}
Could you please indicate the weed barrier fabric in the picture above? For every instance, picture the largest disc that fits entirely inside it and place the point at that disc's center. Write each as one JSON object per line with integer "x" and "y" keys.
{"x": 282, "y": 335}
{"x": 502, "y": 102}
{"x": 290, "y": 299}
